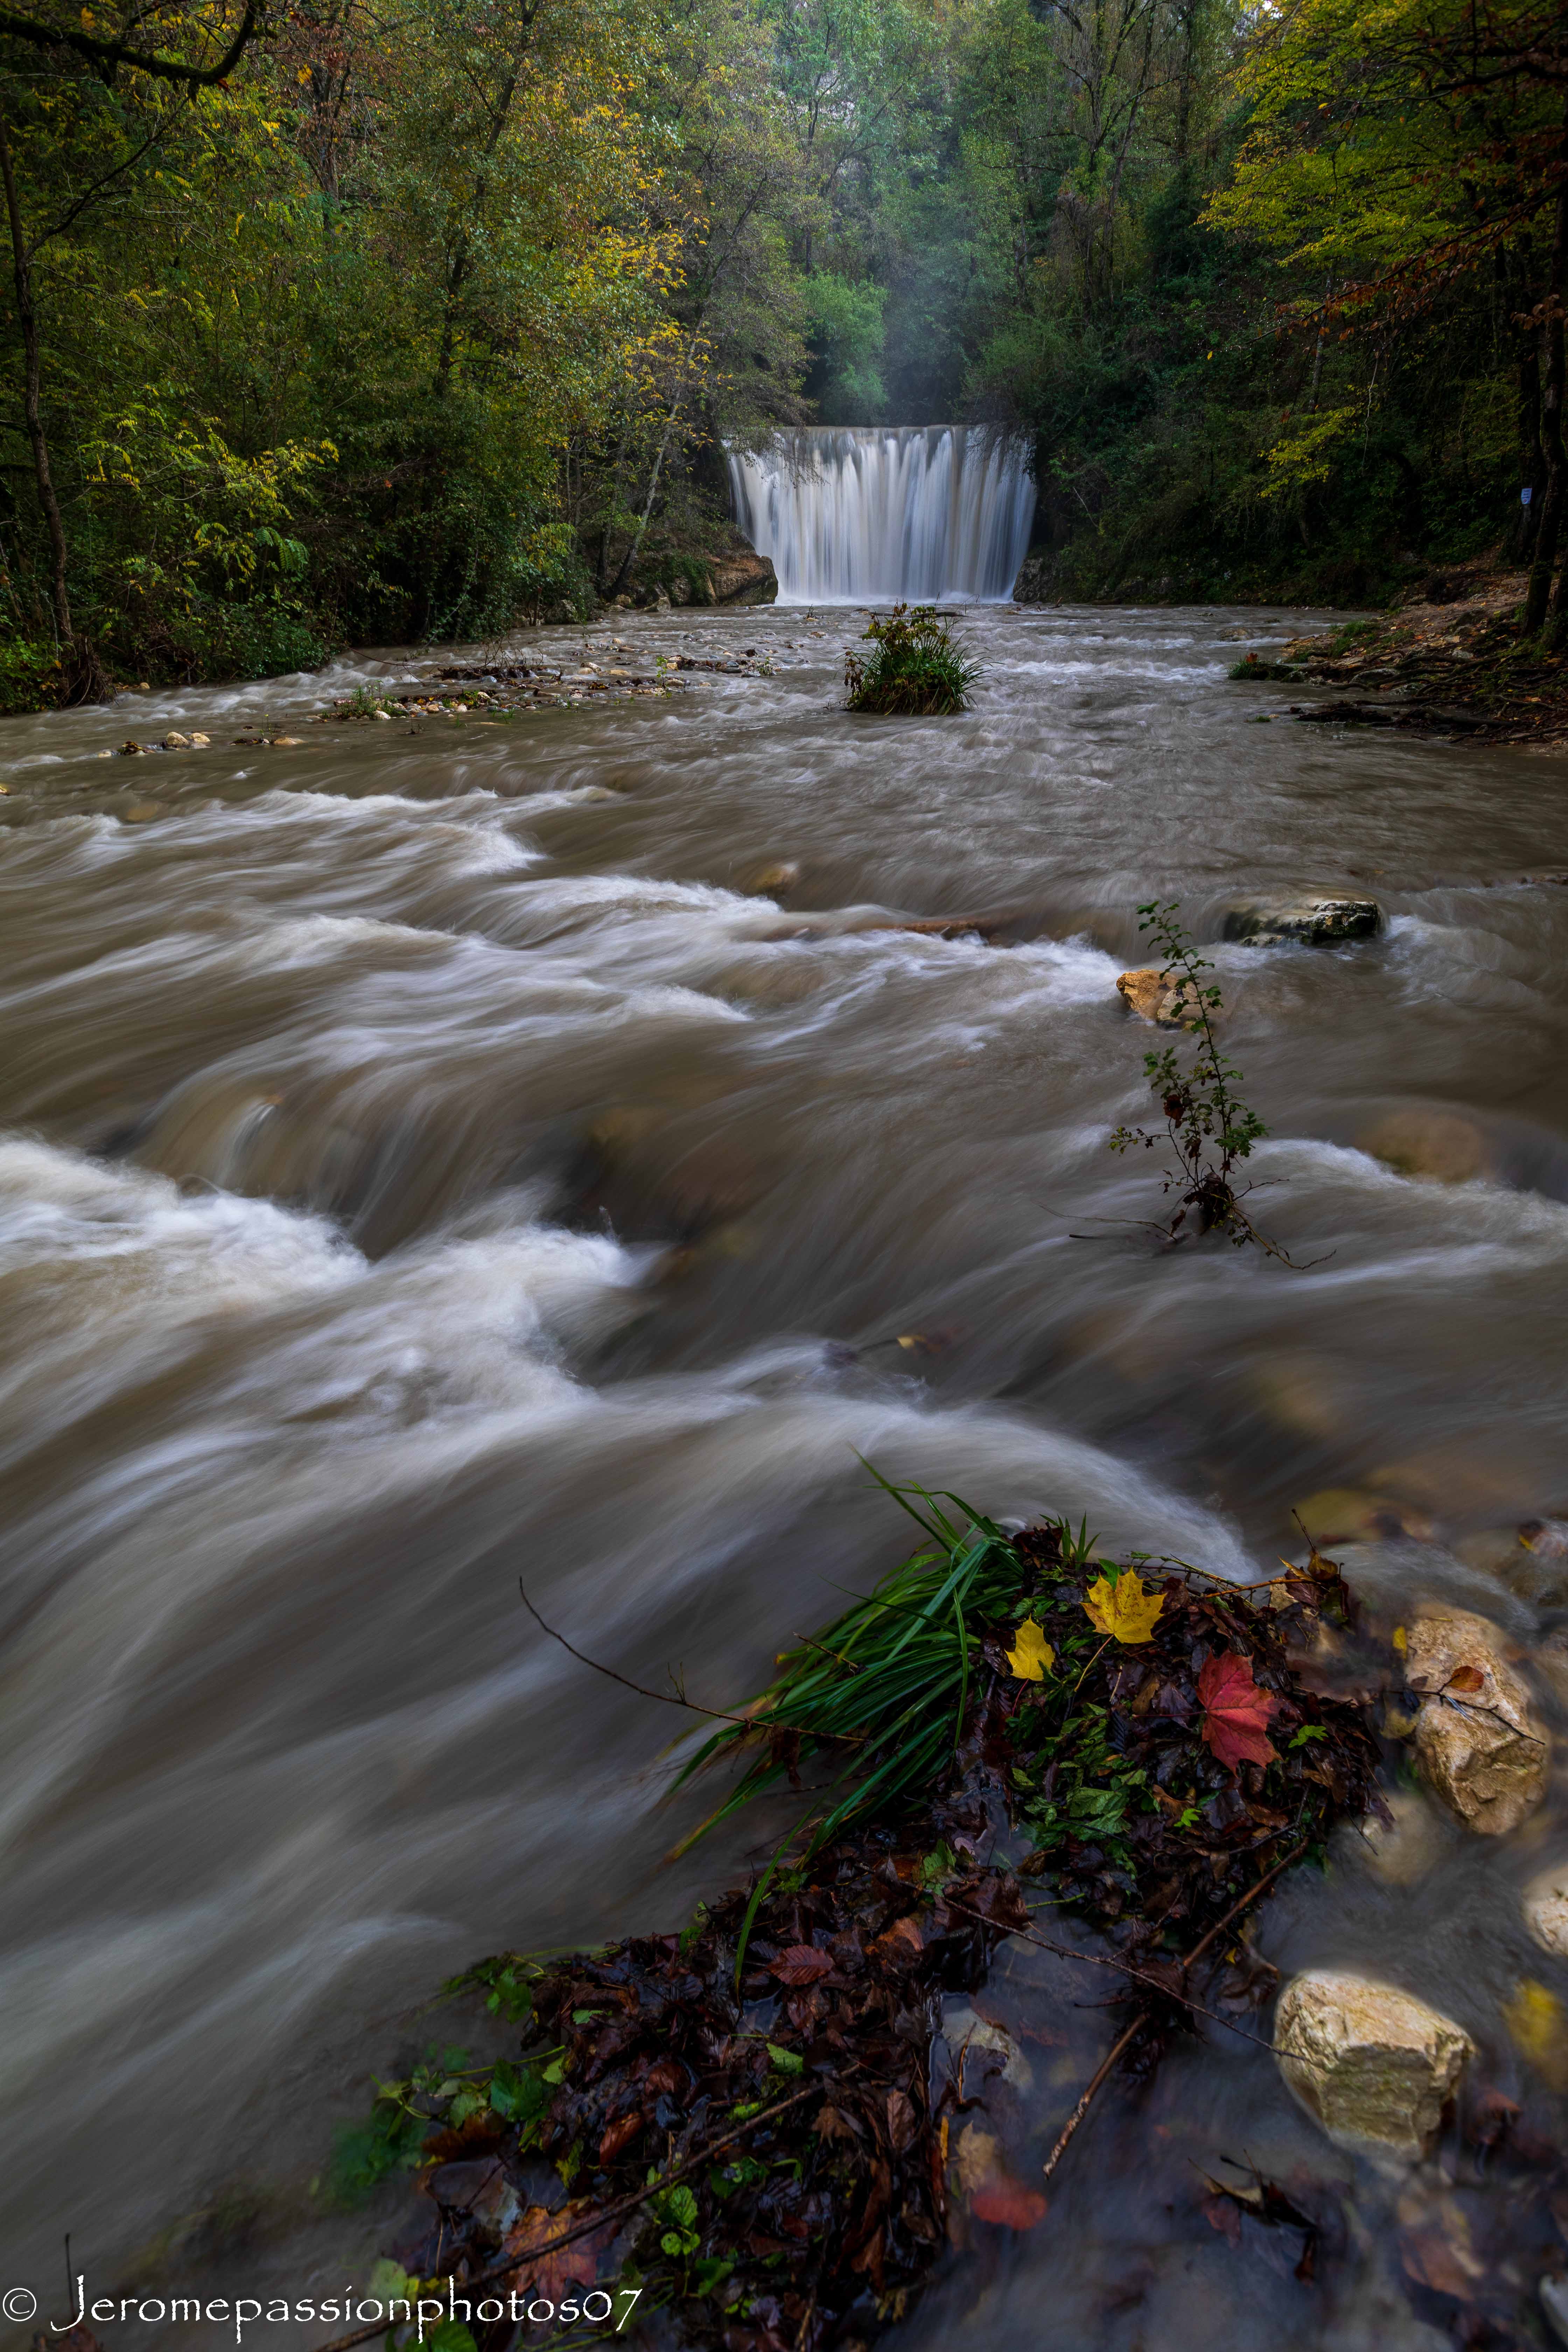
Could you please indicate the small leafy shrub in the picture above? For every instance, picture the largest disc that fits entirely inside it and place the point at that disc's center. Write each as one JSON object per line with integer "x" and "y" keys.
{"x": 915, "y": 668}
{"x": 1207, "y": 1126}
{"x": 1253, "y": 666}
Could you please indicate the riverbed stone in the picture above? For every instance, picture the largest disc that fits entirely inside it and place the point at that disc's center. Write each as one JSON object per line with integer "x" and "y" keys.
{"x": 1481, "y": 1745}
{"x": 1375, "y": 2065}
{"x": 1154, "y": 996}
{"x": 1435, "y": 1147}
{"x": 1319, "y": 922}
{"x": 1545, "y": 1908}
{"x": 779, "y": 874}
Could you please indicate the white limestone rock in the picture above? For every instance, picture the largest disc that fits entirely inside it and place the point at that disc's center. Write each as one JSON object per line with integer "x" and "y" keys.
{"x": 1375, "y": 2067}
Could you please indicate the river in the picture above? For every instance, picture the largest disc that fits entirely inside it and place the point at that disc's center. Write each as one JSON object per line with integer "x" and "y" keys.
{"x": 425, "y": 1165}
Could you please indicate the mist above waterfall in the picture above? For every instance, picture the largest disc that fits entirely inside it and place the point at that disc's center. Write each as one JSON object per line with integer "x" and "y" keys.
{"x": 867, "y": 514}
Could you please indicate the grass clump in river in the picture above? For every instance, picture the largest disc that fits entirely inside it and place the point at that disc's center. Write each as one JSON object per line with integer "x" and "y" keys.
{"x": 916, "y": 668}
{"x": 738, "y": 2125}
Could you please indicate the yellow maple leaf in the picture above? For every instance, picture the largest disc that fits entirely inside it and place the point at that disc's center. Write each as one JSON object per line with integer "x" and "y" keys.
{"x": 1123, "y": 1610}
{"x": 1033, "y": 1656}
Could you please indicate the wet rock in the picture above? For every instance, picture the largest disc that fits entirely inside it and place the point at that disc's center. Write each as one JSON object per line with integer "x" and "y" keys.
{"x": 1403, "y": 1849}
{"x": 131, "y": 751}
{"x": 1375, "y": 2067}
{"x": 1154, "y": 996}
{"x": 142, "y": 812}
{"x": 479, "y": 2187}
{"x": 1436, "y": 1147}
{"x": 992, "y": 2050}
{"x": 1546, "y": 1906}
{"x": 176, "y": 742}
{"x": 744, "y": 578}
{"x": 762, "y": 881}
{"x": 200, "y": 742}
{"x": 1338, "y": 1515}
{"x": 1319, "y": 922}
{"x": 1481, "y": 1743}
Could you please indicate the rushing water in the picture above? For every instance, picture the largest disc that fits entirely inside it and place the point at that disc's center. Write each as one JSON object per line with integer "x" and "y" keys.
{"x": 850, "y": 513}
{"x": 423, "y": 1164}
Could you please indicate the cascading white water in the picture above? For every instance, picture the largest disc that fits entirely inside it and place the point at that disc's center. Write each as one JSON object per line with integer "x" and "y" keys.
{"x": 865, "y": 514}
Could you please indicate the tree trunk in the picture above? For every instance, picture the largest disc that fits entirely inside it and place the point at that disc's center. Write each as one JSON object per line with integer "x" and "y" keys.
{"x": 1551, "y": 521}
{"x": 632, "y": 552}
{"x": 458, "y": 270}
{"x": 1532, "y": 464}
{"x": 65, "y": 627}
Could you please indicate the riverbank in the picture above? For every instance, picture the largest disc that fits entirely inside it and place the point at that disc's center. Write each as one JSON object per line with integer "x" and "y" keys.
{"x": 1451, "y": 657}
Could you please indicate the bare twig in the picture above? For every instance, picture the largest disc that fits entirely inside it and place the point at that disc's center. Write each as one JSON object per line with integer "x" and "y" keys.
{"x": 749, "y": 1722}
{"x": 1125, "y": 2042}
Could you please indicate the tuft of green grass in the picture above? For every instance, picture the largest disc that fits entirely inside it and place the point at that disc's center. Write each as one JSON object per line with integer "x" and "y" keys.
{"x": 916, "y": 668}
{"x": 886, "y": 1689}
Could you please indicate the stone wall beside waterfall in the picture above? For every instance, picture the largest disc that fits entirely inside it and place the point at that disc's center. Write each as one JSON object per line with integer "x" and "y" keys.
{"x": 869, "y": 514}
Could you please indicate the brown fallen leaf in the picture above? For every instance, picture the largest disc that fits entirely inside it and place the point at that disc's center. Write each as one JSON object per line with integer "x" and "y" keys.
{"x": 619, "y": 2135}
{"x": 800, "y": 1964}
{"x": 1466, "y": 1678}
{"x": 550, "y": 2268}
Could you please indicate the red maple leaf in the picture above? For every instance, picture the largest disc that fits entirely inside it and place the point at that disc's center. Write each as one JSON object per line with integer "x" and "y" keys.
{"x": 1236, "y": 1711}
{"x": 1007, "y": 2200}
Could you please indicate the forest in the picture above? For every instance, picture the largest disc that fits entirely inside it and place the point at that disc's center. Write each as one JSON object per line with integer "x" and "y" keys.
{"x": 333, "y": 323}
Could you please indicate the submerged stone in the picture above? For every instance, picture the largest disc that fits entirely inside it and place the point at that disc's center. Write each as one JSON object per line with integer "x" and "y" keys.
{"x": 1319, "y": 922}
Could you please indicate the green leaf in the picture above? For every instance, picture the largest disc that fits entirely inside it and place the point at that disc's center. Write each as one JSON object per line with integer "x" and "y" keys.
{"x": 788, "y": 2062}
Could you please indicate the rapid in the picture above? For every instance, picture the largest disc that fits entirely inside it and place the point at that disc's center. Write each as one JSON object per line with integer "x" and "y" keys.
{"x": 436, "y": 1155}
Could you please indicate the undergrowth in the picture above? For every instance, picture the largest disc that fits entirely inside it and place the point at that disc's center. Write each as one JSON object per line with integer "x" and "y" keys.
{"x": 915, "y": 668}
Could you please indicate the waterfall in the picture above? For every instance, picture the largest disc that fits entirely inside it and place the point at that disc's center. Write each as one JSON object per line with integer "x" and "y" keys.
{"x": 867, "y": 514}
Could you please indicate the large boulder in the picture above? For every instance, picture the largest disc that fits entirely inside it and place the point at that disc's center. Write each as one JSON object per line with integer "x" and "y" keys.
{"x": 1375, "y": 2065}
{"x": 743, "y": 577}
{"x": 1154, "y": 996}
{"x": 1479, "y": 1741}
{"x": 1320, "y": 922}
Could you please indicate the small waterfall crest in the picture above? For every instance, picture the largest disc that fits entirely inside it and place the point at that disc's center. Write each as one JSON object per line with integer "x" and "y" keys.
{"x": 869, "y": 514}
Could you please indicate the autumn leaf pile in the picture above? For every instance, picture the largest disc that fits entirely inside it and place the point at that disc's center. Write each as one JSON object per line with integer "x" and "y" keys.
{"x": 1171, "y": 1753}
{"x": 740, "y": 2121}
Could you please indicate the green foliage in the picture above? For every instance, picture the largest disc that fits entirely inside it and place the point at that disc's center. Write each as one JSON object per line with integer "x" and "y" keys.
{"x": 1209, "y": 1126}
{"x": 845, "y": 325}
{"x": 366, "y": 2154}
{"x": 916, "y": 669}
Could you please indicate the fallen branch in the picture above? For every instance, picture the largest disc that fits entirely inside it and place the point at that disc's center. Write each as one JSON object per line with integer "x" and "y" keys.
{"x": 1109, "y": 2064}
{"x": 669, "y": 1698}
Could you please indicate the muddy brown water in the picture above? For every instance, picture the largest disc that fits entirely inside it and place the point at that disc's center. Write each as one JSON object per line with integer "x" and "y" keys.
{"x": 423, "y": 1164}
